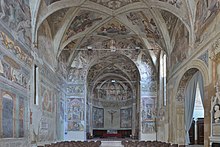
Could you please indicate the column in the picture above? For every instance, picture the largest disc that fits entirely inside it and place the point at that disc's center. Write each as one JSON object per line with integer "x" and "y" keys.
{"x": 90, "y": 120}
{"x": 134, "y": 119}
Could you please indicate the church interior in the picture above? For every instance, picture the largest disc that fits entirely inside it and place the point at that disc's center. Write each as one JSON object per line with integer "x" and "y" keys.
{"x": 94, "y": 70}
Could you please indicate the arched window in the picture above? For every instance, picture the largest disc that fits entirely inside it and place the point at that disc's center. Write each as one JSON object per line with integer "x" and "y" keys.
{"x": 163, "y": 77}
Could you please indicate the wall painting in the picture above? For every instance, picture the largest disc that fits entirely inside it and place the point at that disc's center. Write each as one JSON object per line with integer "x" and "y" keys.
{"x": 75, "y": 114}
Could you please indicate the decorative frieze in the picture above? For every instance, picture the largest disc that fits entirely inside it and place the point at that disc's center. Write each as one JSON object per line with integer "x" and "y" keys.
{"x": 10, "y": 45}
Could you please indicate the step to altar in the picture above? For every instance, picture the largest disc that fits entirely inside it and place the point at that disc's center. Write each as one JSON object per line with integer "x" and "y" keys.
{"x": 111, "y": 144}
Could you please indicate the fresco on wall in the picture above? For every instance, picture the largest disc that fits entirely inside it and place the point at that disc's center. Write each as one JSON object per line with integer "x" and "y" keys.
{"x": 45, "y": 44}
{"x": 15, "y": 14}
{"x": 62, "y": 107}
{"x": 48, "y": 74}
{"x": 76, "y": 75}
{"x": 116, "y": 91}
{"x": 126, "y": 118}
{"x": 116, "y": 4}
{"x": 64, "y": 57}
{"x": 47, "y": 100}
{"x": 181, "y": 47}
{"x": 98, "y": 117}
{"x": 77, "y": 72}
{"x": 75, "y": 114}
{"x": 148, "y": 127}
{"x": 180, "y": 95}
{"x": 9, "y": 44}
{"x": 21, "y": 116}
{"x": 150, "y": 86}
{"x": 83, "y": 21}
{"x": 45, "y": 129}
{"x": 13, "y": 72}
{"x": 8, "y": 114}
{"x": 146, "y": 68}
{"x": 148, "y": 113}
{"x": 76, "y": 89}
{"x": 13, "y": 113}
{"x": 148, "y": 108}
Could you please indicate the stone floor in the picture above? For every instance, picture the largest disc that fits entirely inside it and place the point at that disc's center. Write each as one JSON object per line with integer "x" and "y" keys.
{"x": 111, "y": 144}
{"x": 118, "y": 144}
{"x": 195, "y": 145}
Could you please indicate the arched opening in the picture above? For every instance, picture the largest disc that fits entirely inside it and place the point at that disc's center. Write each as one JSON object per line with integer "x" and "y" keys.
{"x": 197, "y": 128}
{"x": 113, "y": 98}
{"x": 190, "y": 101}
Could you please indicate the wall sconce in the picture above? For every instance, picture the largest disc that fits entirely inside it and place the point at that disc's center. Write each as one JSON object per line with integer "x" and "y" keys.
{"x": 89, "y": 48}
{"x": 137, "y": 48}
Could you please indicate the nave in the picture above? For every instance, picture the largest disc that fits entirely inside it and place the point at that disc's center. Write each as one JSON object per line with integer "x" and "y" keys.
{"x": 75, "y": 70}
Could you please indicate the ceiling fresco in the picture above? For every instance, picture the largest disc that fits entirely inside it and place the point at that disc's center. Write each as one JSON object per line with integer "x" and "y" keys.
{"x": 82, "y": 21}
{"x": 145, "y": 23}
{"x": 150, "y": 25}
{"x": 114, "y": 4}
{"x": 126, "y": 42}
{"x": 170, "y": 20}
{"x": 113, "y": 28}
{"x": 176, "y": 3}
{"x": 117, "y": 63}
{"x": 113, "y": 91}
{"x": 56, "y": 19}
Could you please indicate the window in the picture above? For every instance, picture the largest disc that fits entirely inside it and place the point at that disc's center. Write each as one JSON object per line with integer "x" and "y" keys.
{"x": 164, "y": 76}
{"x": 36, "y": 83}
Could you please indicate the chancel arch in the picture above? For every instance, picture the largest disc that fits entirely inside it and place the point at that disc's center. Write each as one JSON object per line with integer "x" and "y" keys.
{"x": 112, "y": 96}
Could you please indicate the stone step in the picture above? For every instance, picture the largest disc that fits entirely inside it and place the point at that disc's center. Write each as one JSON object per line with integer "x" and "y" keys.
{"x": 111, "y": 144}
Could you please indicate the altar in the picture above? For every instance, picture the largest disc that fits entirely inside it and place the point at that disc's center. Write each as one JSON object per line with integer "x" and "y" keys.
{"x": 112, "y": 133}
{"x": 106, "y": 135}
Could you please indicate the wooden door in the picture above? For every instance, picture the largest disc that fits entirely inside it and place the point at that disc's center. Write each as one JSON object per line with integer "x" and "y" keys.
{"x": 200, "y": 130}
{"x": 192, "y": 133}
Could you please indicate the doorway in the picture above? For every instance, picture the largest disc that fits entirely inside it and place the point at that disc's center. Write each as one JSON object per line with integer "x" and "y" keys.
{"x": 196, "y": 132}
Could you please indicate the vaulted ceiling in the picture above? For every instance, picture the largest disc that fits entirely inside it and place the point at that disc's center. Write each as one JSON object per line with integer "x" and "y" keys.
{"x": 109, "y": 24}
